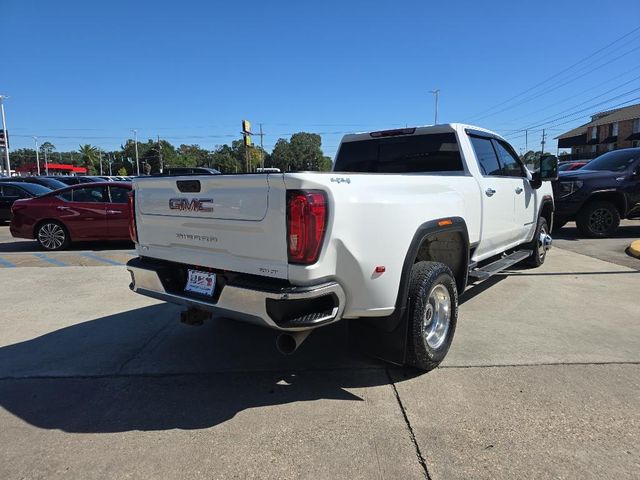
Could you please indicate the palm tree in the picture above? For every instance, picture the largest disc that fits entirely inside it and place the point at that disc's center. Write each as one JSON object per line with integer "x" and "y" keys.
{"x": 88, "y": 155}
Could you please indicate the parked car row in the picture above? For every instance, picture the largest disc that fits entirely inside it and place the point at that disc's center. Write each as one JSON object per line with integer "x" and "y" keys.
{"x": 95, "y": 211}
{"x": 600, "y": 193}
{"x": 572, "y": 165}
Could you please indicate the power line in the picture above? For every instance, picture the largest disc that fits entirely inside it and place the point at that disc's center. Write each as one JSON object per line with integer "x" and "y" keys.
{"x": 571, "y": 120}
{"x": 561, "y": 71}
{"x": 557, "y": 86}
{"x": 555, "y": 116}
{"x": 565, "y": 99}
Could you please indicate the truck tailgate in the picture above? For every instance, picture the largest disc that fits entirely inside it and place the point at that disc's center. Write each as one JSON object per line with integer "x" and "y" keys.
{"x": 227, "y": 222}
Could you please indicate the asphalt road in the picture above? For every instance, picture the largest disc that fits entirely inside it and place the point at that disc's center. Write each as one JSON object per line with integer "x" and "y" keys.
{"x": 542, "y": 381}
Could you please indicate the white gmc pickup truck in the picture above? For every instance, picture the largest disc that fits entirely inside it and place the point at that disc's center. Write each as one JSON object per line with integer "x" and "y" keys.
{"x": 386, "y": 241}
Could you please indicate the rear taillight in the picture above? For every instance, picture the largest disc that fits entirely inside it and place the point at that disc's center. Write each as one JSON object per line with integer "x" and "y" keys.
{"x": 306, "y": 224}
{"x": 133, "y": 230}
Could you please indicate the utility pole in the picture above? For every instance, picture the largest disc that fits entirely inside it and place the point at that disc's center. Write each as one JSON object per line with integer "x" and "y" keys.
{"x": 100, "y": 156}
{"x": 35, "y": 139}
{"x": 160, "y": 153}
{"x": 135, "y": 139}
{"x": 110, "y": 162}
{"x": 6, "y": 137}
{"x": 46, "y": 161}
{"x": 436, "y": 93}
{"x": 526, "y": 140}
{"x": 261, "y": 147}
{"x": 542, "y": 142}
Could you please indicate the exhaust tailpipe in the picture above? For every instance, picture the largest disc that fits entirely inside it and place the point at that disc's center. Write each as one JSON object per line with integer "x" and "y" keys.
{"x": 287, "y": 343}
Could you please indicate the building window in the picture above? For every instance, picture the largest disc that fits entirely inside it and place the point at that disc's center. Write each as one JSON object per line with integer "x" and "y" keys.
{"x": 636, "y": 125}
{"x": 613, "y": 129}
{"x": 593, "y": 148}
{"x": 594, "y": 133}
{"x": 635, "y": 143}
{"x": 611, "y": 146}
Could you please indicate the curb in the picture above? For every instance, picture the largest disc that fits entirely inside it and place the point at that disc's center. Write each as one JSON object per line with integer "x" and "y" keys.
{"x": 634, "y": 249}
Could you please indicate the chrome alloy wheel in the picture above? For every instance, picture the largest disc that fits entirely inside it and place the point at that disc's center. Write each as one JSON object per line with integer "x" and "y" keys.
{"x": 544, "y": 242}
{"x": 437, "y": 314}
{"x": 600, "y": 220}
{"x": 51, "y": 236}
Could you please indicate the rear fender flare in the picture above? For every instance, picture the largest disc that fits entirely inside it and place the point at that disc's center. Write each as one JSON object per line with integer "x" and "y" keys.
{"x": 386, "y": 337}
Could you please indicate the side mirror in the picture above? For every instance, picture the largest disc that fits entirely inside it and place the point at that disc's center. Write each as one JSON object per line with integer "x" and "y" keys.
{"x": 548, "y": 168}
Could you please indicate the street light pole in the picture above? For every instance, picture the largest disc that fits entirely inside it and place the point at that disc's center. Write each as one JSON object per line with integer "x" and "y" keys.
{"x": 135, "y": 140}
{"x": 436, "y": 93}
{"x": 6, "y": 136}
{"x": 100, "y": 156}
{"x": 35, "y": 139}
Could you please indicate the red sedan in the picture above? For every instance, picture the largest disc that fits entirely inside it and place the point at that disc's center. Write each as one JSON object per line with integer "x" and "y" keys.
{"x": 87, "y": 211}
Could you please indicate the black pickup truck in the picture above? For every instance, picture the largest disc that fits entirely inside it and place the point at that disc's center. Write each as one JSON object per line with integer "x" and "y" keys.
{"x": 599, "y": 194}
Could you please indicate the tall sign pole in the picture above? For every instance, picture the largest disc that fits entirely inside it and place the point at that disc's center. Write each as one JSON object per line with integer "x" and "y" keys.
{"x": 261, "y": 147}
{"x": 35, "y": 139}
{"x": 246, "y": 135}
{"x": 436, "y": 93}
{"x": 5, "y": 137}
{"x": 135, "y": 139}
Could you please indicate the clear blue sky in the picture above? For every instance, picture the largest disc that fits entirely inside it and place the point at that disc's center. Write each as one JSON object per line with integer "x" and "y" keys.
{"x": 88, "y": 72}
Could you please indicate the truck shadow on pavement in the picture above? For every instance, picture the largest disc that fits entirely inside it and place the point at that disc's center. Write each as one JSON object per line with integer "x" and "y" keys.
{"x": 143, "y": 370}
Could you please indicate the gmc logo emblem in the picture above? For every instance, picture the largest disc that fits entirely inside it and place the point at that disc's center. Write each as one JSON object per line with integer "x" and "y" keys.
{"x": 193, "y": 205}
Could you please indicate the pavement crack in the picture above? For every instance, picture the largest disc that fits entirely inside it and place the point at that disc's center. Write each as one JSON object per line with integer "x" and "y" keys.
{"x": 145, "y": 345}
{"x": 421, "y": 460}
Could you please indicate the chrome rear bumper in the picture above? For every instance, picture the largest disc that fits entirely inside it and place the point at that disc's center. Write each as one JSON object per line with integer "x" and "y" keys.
{"x": 287, "y": 309}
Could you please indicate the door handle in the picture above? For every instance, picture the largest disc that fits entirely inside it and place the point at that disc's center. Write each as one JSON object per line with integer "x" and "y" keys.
{"x": 62, "y": 208}
{"x": 489, "y": 191}
{"x": 518, "y": 189}
{"x": 113, "y": 212}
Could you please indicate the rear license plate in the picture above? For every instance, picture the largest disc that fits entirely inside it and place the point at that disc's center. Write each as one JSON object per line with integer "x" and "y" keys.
{"x": 203, "y": 283}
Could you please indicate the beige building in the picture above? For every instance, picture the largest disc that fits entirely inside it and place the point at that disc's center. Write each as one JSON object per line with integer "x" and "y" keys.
{"x": 610, "y": 130}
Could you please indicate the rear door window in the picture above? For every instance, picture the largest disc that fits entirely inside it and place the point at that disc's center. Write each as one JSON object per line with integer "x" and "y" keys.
{"x": 486, "y": 155}
{"x": 119, "y": 194}
{"x": 89, "y": 195}
{"x": 436, "y": 152}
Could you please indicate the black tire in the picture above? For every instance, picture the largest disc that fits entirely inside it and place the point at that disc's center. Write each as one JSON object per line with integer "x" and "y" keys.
{"x": 427, "y": 286}
{"x": 539, "y": 252}
{"x": 598, "y": 219}
{"x": 52, "y": 235}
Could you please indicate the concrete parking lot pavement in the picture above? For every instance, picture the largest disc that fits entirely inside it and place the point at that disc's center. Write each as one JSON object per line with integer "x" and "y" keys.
{"x": 542, "y": 381}
{"x": 609, "y": 249}
{"x": 15, "y": 253}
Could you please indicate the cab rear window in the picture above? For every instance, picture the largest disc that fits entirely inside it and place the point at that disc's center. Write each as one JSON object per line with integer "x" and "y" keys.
{"x": 436, "y": 152}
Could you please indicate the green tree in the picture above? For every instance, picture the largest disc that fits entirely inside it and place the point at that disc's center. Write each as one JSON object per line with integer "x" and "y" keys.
{"x": 281, "y": 156}
{"x": 325, "y": 164}
{"x": 23, "y": 156}
{"x": 151, "y": 156}
{"x": 306, "y": 150}
{"x": 194, "y": 155}
{"x": 223, "y": 159}
{"x": 122, "y": 172}
{"x": 302, "y": 152}
{"x": 88, "y": 157}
